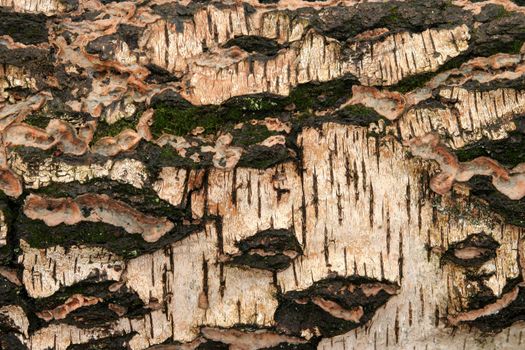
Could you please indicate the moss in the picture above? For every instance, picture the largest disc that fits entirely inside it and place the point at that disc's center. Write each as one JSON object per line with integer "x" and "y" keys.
{"x": 392, "y": 18}
{"x": 115, "y": 239}
{"x": 40, "y": 120}
{"x": 180, "y": 118}
{"x": 251, "y": 134}
{"x": 318, "y": 96}
{"x": 26, "y": 28}
{"x": 105, "y": 129}
{"x": 413, "y": 82}
{"x": 155, "y": 157}
{"x": 358, "y": 115}
{"x": 508, "y": 152}
{"x": 174, "y": 121}
{"x": 168, "y": 156}
{"x": 260, "y": 157}
{"x": 145, "y": 199}
{"x": 501, "y": 12}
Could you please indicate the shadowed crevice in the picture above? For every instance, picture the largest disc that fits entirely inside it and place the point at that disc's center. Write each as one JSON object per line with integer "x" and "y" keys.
{"x": 508, "y": 152}
{"x": 26, "y": 28}
{"x": 10, "y": 341}
{"x": 105, "y": 46}
{"x": 255, "y": 44}
{"x": 113, "y": 238}
{"x": 514, "y": 312}
{"x": 474, "y": 250}
{"x": 269, "y": 250}
{"x": 512, "y": 210}
{"x": 112, "y": 305}
{"x": 111, "y": 343}
{"x": 332, "y": 306}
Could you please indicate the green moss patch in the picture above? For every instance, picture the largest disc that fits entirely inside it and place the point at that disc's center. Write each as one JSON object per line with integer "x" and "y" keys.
{"x": 105, "y": 129}
{"x": 318, "y": 96}
{"x": 40, "y": 120}
{"x": 156, "y": 157}
{"x": 251, "y": 135}
{"x": 181, "y": 118}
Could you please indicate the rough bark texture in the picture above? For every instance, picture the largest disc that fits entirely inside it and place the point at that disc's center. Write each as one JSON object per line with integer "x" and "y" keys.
{"x": 262, "y": 174}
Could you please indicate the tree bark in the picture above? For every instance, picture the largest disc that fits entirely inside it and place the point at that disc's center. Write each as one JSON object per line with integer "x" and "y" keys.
{"x": 262, "y": 174}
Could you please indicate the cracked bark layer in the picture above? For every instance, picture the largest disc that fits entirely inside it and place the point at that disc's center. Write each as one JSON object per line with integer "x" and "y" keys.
{"x": 259, "y": 174}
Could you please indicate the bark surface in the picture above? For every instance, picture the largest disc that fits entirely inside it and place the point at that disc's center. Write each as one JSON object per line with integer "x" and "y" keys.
{"x": 262, "y": 174}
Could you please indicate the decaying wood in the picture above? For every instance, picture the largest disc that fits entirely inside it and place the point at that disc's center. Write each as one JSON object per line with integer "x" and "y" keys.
{"x": 262, "y": 174}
